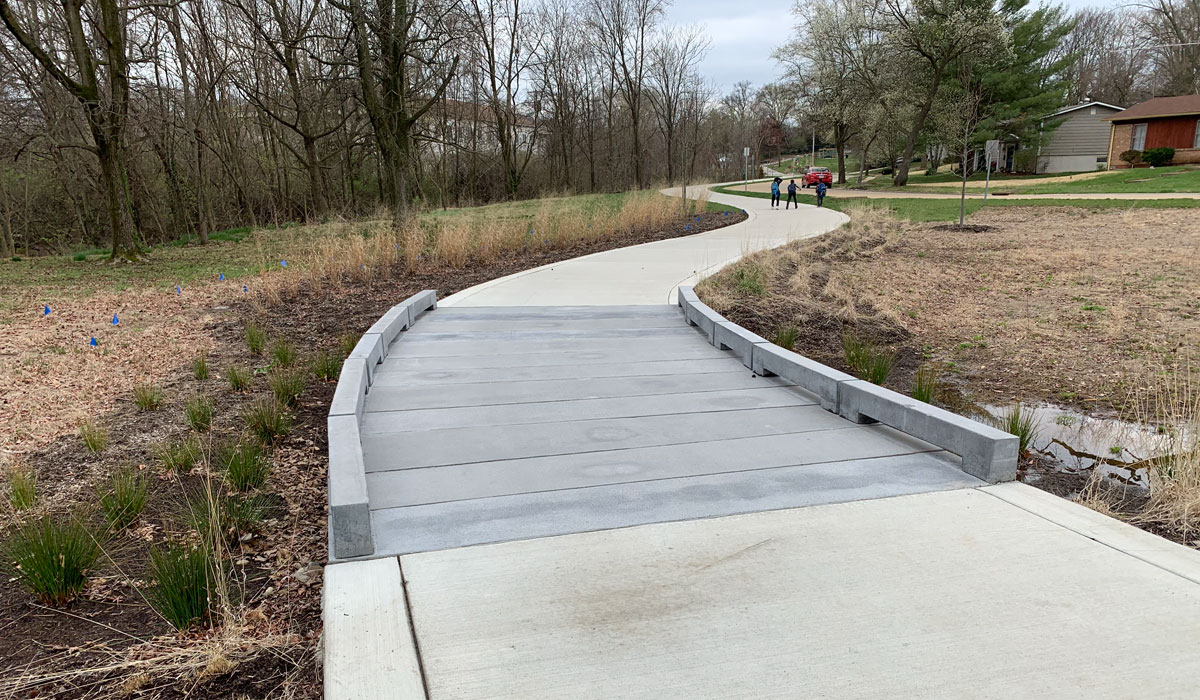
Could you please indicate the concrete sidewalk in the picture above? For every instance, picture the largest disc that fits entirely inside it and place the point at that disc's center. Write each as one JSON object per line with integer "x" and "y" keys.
{"x": 938, "y": 586}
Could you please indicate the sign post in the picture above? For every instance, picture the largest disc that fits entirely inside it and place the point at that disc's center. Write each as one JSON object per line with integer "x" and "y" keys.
{"x": 746, "y": 172}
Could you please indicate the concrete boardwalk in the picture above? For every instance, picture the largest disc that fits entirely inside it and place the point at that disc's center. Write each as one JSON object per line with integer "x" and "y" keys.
{"x": 489, "y": 424}
{"x": 642, "y": 492}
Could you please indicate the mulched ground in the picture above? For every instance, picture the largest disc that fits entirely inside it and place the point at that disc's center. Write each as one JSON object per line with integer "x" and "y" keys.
{"x": 270, "y": 651}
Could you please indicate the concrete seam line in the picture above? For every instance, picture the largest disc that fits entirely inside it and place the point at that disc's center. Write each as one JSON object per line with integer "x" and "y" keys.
{"x": 1139, "y": 557}
{"x": 412, "y": 627}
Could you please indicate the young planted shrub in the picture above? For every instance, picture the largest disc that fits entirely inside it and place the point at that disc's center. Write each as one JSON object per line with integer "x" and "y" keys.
{"x": 239, "y": 378}
{"x": 244, "y": 464}
{"x": 327, "y": 366}
{"x": 256, "y": 338}
{"x": 199, "y": 411}
{"x": 51, "y": 557}
{"x": 200, "y": 367}
{"x": 865, "y": 360}
{"x": 22, "y": 489}
{"x": 94, "y": 436}
{"x": 1019, "y": 421}
{"x": 1158, "y": 157}
{"x": 181, "y": 455}
{"x": 283, "y": 354}
{"x": 926, "y": 384}
{"x": 147, "y": 397}
{"x": 182, "y": 580}
{"x": 786, "y": 336}
{"x": 268, "y": 420}
{"x": 287, "y": 385}
{"x": 1132, "y": 157}
{"x": 749, "y": 279}
{"x": 123, "y": 498}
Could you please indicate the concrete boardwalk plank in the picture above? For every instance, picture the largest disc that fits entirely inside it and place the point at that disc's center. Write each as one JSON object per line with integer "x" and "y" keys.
{"x": 546, "y": 513}
{"x": 675, "y": 352}
{"x": 942, "y": 595}
{"x": 655, "y": 347}
{"x": 708, "y": 365}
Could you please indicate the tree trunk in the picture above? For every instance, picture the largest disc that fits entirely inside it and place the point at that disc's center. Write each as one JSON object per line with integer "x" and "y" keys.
{"x": 901, "y": 177}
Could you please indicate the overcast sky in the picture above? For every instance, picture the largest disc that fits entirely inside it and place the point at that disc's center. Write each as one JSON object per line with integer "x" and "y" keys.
{"x": 743, "y": 36}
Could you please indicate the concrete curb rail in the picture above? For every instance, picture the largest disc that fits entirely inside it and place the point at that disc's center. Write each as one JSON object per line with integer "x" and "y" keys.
{"x": 349, "y": 509}
{"x": 987, "y": 453}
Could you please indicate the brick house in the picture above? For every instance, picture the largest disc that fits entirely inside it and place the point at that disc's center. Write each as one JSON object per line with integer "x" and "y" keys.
{"x": 1163, "y": 122}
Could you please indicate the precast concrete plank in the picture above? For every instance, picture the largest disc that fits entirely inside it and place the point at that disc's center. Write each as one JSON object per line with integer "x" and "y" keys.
{"x": 402, "y": 422}
{"x": 419, "y": 347}
{"x": 939, "y": 596}
{"x": 493, "y": 444}
{"x": 572, "y": 358}
{"x": 385, "y": 398}
{"x": 436, "y": 324}
{"x": 564, "y": 335}
{"x": 713, "y": 363}
{"x": 523, "y": 516}
{"x": 530, "y": 313}
{"x": 405, "y": 487}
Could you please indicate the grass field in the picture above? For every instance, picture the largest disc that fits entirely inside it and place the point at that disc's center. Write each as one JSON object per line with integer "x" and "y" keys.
{"x": 1146, "y": 180}
{"x": 947, "y": 209}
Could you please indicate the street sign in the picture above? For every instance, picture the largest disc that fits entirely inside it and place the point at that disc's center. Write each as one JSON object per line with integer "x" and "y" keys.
{"x": 746, "y": 152}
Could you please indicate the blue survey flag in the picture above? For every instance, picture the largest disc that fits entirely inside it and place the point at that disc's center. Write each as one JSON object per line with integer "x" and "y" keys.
{"x": 178, "y": 290}
{"x": 245, "y": 289}
{"x": 283, "y": 263}
{"x": 46, "y": 310}
{"x": 221, "y": 277}
{"x": 93, "y": 343}
{"x": 116, "y": 320}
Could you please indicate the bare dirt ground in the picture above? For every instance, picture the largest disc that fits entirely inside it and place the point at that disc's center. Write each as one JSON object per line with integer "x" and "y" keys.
{"x": 110, "y": 643}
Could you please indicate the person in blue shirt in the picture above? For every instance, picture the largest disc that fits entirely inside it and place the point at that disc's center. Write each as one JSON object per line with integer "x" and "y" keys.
{"x": 820, "y": 193}
{"x": 775, "y": 192}
{"x": 792, "y": 195}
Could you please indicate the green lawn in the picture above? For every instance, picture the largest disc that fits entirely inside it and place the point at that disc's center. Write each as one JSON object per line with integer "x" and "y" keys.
{"x": 1180, "y": 178}
{"x": 947, "y": 209}
{"x": 798, "y": 164}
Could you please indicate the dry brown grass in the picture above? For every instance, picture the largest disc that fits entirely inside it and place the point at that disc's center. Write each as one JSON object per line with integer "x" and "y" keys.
{"x": 1172, "y": 405}
{"x": 1061, "y": 305}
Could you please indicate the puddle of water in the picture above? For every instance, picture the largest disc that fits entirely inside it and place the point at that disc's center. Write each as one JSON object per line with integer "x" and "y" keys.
{"x": 1078, "y": 443}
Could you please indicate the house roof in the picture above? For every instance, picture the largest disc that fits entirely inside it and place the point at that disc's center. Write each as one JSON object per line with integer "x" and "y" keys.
{"x": 1181, "y": 106}
{"x": 1093, "y": 103}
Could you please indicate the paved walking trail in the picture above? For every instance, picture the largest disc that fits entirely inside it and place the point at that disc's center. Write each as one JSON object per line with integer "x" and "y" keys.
{"x": 916, "y": 193}
{"x": 589, "y": 501}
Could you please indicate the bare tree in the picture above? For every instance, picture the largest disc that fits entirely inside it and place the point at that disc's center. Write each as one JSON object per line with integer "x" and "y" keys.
{"x": 673, "y": 80}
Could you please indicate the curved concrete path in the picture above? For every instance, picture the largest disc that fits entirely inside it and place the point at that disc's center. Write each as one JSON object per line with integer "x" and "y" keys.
{"x": 953, "y": 590}
{"x": 844, "y": 192}
{"x": 650, "y": 273}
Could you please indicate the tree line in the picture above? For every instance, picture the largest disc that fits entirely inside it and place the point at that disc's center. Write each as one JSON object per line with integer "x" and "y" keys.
{"x": 896, "y": 80}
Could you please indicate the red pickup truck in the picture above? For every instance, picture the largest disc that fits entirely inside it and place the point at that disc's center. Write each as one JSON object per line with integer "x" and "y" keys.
{"x": 814, "y": 175}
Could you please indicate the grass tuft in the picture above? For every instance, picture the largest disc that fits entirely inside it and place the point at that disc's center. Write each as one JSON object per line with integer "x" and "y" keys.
{"x": 181, "y": 455}
{"x": 866, "y": 360}
{"x": 124, "y": 498}
{"x": 94, "y": 436}
{"x": 244, "y": 464}
{"x": 283, "y": 353}
{"x": 256, "y": 338}
{"x": 749, "y": 278}
{"x": 346, "y": 343}
{"x": 200, "y": 367}
{"x": 239, "y": 378}
{"x": 182, "y": 577}
{"x": 786, "y": 336}
{"x": 52, "y": 557}
{"x": 148, "y": 397}
{"x": 22, "y": 489}
{"x": 1019, "y": 421}
{"x": 287, "y": 385}
{"x": 199, "y": 412}
{"x": 268, "y": 420}
{"x": 327, "y": 366}
{"x": 926, "y": 384}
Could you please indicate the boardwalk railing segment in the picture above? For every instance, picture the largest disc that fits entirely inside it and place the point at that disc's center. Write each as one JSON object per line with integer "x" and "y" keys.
{"x": 987, "y": 453}
{"x": 349, "y": 512}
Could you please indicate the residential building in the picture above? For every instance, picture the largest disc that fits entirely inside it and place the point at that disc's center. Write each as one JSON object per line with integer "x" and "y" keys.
{"x": 1080, "y": 142}
{"x": 1162, "y": 122}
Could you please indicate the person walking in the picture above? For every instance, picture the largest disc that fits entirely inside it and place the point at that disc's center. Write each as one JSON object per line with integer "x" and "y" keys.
{"x": 775, "y": 192}
{"x": 820, "y": 193}
{"x": 791, "y": 196}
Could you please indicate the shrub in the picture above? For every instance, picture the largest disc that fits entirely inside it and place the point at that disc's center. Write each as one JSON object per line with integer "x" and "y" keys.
{"x": 268, "y": 420}
{"x": 786, "y": 336}
{"x": 287, "y": 385}
{"x": 200, "y": 367}
{"x": 1021, "y": 422}
{"x": 239, "y": 378}
{"x": 182, "y": 577}
{"x": 52, "y": 558}
{"x": 750, "y": 279}
{"x": 926, "y": 385}
{"x": 256, "y": 338}
{"x": 22, "y": 489}
{"x": 94, "y": 436}
{"x": 181, "y": 455}
{"x": 865, "y": 360}
{"x": 147, "y": 397}
{"x": 124, "y": 498}
{"x": 283, "y": 353}
{"x": 327, "y": 366}
{"x": 244, "y": 464}
{"x": 1132, "y": 157}
{"x": 1158, "y": 157}
{"x": 199, "y": 412}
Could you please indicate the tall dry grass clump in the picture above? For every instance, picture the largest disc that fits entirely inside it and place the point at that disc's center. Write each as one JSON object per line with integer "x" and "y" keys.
{"x": 1172, "y": 406}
